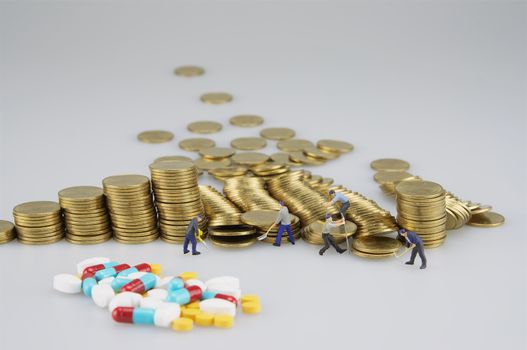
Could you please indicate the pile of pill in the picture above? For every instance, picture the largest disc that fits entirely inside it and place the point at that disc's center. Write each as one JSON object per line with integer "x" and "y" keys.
{"x": 140, "y": 295}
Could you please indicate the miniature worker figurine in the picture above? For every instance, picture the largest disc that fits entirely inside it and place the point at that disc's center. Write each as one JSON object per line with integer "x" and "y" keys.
{"x": 415, "y": 242}
{"x": 191, "y": 234}
{"x": 328, "y": 238}
{"x": 284, "y": 221}
{"x": 339, "y": 197}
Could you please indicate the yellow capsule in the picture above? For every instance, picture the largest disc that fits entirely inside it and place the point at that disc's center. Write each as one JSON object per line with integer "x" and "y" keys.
{"x": 223, "y": 321}
{"x": 193, "y": 305}
{"x": 156, "y": 269}
{"x": 190, "y": 313}
{"x": 250, "y": 297}
{"x": 204, "y": 319}
{"x": 188, "y": 275}
{"x": 182, "y": 324}
{"x": 251, "y": 307}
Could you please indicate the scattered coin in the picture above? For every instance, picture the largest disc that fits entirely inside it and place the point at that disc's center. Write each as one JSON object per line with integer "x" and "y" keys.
{"x": 315, "y": 152}
{"x": 249, "y": 143}
{"x": 196, "y": 144}
{"x": 388, "y": 164}
{"x": 215, "y": 153}
{"x": 277, "y": 133}
{"x": 392, "y": 176}
{"x": 376, "y": 245}
{"x": 172, "y": 158}
{"x": 294, "y": 145}
{"x": 246, "y": 120}
{"x": 189, "y": 71}
{"x": 335, "y": 146}
{"x": 283, "y": 158}
{"x": 155, "y": 136}
{"x": 206, "y": 164}
{"x": 300, "y": 157}
{"x": 216, "y": 98}
{"x": 250, "y": 158}
{"x": 204, "y": 127}
{"x": 487, "y": 219}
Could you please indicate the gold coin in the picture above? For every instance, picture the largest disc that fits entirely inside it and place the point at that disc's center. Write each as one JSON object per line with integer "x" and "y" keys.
{"x": 155, "y": 136}
{"x": 175, "y": 166}
{"x": 300, "y": 157}
{"x": 196, "y": 144}
{"x": 204, "y": 127}
{"x": 6, "y": 227}
{"x": 419, "y": 189}
{"x": 206, "y": 164}
{"x": 216, "y": 98}
{"x": 389, "y": 164}
{"x": 250, "y": 158}
{"x": 376, "y": 244}
{"x": 277, "y": 133}
{"x": 172, "y": 158}
{"x": 216, "y": 153}
{"x": 81, "y": 193}
{"x": 249, "y": 143}
{"x": 283, "y": 158}
{"x": 229, "y": 171}
{"x": 370, "y": 255}
{"x": 189, "y": 71}
{"x": 260, "y": 217}
{"x": 294, "y": 145}
{"x": 36, "y": 209}
{"x": 130, "y": 182}
{"x": 246, "y": 120}
{"x": 317, "y": 153}
{"x": 233, "y": 242}
{"x": 232, "y": 231}
{"x": 383, "y": 177}
{"x": 487, "y": 219}
{"x": 335, "y": 146}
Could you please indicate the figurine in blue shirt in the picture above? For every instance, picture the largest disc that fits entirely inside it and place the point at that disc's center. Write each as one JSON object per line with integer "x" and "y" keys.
{"x": 339, "y": 197}
{"x": 415, "y": 242}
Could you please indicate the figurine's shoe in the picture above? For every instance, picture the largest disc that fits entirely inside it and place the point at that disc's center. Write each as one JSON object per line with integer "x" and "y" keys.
{"x": 292, "y": 242}
{"x": 276, "y": 244}
{"x": 341, "y": 251}
{"x": 196, "y": 253}
{"x": 321, "y": 252}
{"x": 185, "y": 251}
{"x": 423, "y": 267}
{"x": 409, "y": 263}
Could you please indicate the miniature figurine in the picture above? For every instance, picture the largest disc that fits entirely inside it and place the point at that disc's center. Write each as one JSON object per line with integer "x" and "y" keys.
{"x": 284, "y": 220}
{"x": 339, "y": 197}
{"x": 415, "y": 242}
{"x": 192, "y": 233}
{"x": 328, "y": 238}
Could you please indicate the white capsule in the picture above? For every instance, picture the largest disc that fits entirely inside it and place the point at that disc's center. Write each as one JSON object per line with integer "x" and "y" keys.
{"x": 151, "y": 303}
{"x": 217, "y": 307}
{"x": 163, "y": 282}
{"x": 225, "y": 289}
{"x": 158, "y": 293}
{"x": 125, "y": 299}
{"x": 107, "y": 280}
{"x": 166, "y": 313}
{"x": 233, "y": 282}
{"x": 102, "y": 294}
{"x": 90, "y": 262}
{"x": 196, "y": 282}
{"x": 67, "y": 283}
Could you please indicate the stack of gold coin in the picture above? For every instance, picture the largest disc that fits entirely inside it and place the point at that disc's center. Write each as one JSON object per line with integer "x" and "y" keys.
{"x": 375, "y": 247}
{"x": 7, "y": 231}
{"x": 421, "y": 207}
{"x": 177, "y": 198}
{"x": 249, "y": 193}
{"x": 389, "y": 179}
{"x": 312, "y": 233}
{"x": 370, "y": 218}
{"x": 85, "y": 215}
{"x": 38, "y": 222}
{"x": 477, "y": 208}
{"x": 301, "y": 199}
{"x": 262, "y": 220}
{"x": 132, "y": 211}
{"x": 220, "y": 211}
{"x": 457, "y": 212}
{"x": 267, "y": 170}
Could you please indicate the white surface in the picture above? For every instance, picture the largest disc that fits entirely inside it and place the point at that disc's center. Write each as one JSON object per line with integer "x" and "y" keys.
{"x": 442, "y": 85}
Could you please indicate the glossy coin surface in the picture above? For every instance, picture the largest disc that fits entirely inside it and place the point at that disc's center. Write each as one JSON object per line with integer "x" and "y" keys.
{"x": 216, "y": 98}
{"x": 189, "y": 71}
{"x": 246, "y": 120}
{"x": 487, "y": 219}
{"x": 249, "y": 143}
{"x": 390, "y": 164}
{"x": 277, "y": 133}
{"x": 155, "y": 136}
{"x": 335, "y": 146}
{"x": 196, "y": 144}
{"x": 204, "y": 127}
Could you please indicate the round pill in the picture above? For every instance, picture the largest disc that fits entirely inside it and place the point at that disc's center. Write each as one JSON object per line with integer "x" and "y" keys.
{"x": 67, "y": 283}
{"x": 251, "y": 307}
{"x": 190, "y": 313}
{"x": 217, "y": 306}
{"x": 223, "y": 321}
{"x": 150, "y": 303}
{"x": 204, "y": 319}
{"x": 155, "y": 269}
{"x": 157, "y": 293}
{"x": 250, "y": 297}
{"x": 182, "y": 324}
{"x": 188, "y": 275}
{"x": 166, "y": 313}
{"x": 90, "y": 262}
{"x": 193, "y": 305}
{"x": 102, "y": 294}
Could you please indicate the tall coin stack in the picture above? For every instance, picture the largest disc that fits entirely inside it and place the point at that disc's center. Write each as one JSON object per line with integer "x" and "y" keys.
{"x": 421, "y": 207}
{"x": 177, "y": 198}
{"x": 132, "y": 211}
{"x": 85, "y": 215}
{"x": 249, "y": 193}
{"x": 38, "y": 222}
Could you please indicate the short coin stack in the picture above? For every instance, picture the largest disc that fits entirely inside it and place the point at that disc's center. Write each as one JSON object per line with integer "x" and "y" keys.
{"x": 249, "y": 193}
{"x": 7, "y": 231}
{"x": 421, "y": 208}
{"x": 458, "y": 213}
{"x": 375, "y": 247}
{"x": 177, "y": 198}
{"x": 262, "y": 221}
{"x": 132, "y": 211}
{"x": 85, "y": 215}
{"x": 313, "y": 232}
{"x": 38, "y": 222}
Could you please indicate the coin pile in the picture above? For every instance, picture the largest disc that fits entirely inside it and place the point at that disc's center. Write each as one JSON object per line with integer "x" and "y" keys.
{"x": 85, "y": 215}
{"x": 421, "y": 207}
{"x": 249, "y": 193}
{"x": 177, "y": 198}
{"x": 313, "y": 232}
{"x": 375, "y": 247}
{"x": 262, "y": 221}
{"x": 220, "y": 211}
{"x": 457, "y": 212}
{"x": 214, "y": 157}
{"x": 250, "y": 158}
{"x": 38, "y": 222}
{"x": 132, "y": 211}
{"x": 301, "y": 199}
{"x": 7, "y": 231}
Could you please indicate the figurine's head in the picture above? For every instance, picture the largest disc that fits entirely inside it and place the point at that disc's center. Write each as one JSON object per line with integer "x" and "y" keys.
{"x": 331, "y": 192}
{"x": 200, "y": 217}
{"x": 282, "y": 203}
{"x": 403, "y": 232}
{"x": 328, "y": 217}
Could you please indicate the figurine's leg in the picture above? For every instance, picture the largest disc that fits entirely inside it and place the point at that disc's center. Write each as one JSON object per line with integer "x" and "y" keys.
{"x": 421, "y": 252}
{"x": 326, "y": 242}
{"x": 185, "y": 245}
{"x": 290, "y": 234}
{"x": 335, "y": 245}
{"x": 194, "y": 246}
{"x": 279, "y": 236}
{"x": 344, "y": 209}
{"x": 412, "y": 257}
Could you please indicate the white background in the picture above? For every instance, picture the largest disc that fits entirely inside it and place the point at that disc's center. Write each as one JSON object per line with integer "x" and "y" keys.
{"x": 440, "y": 84}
